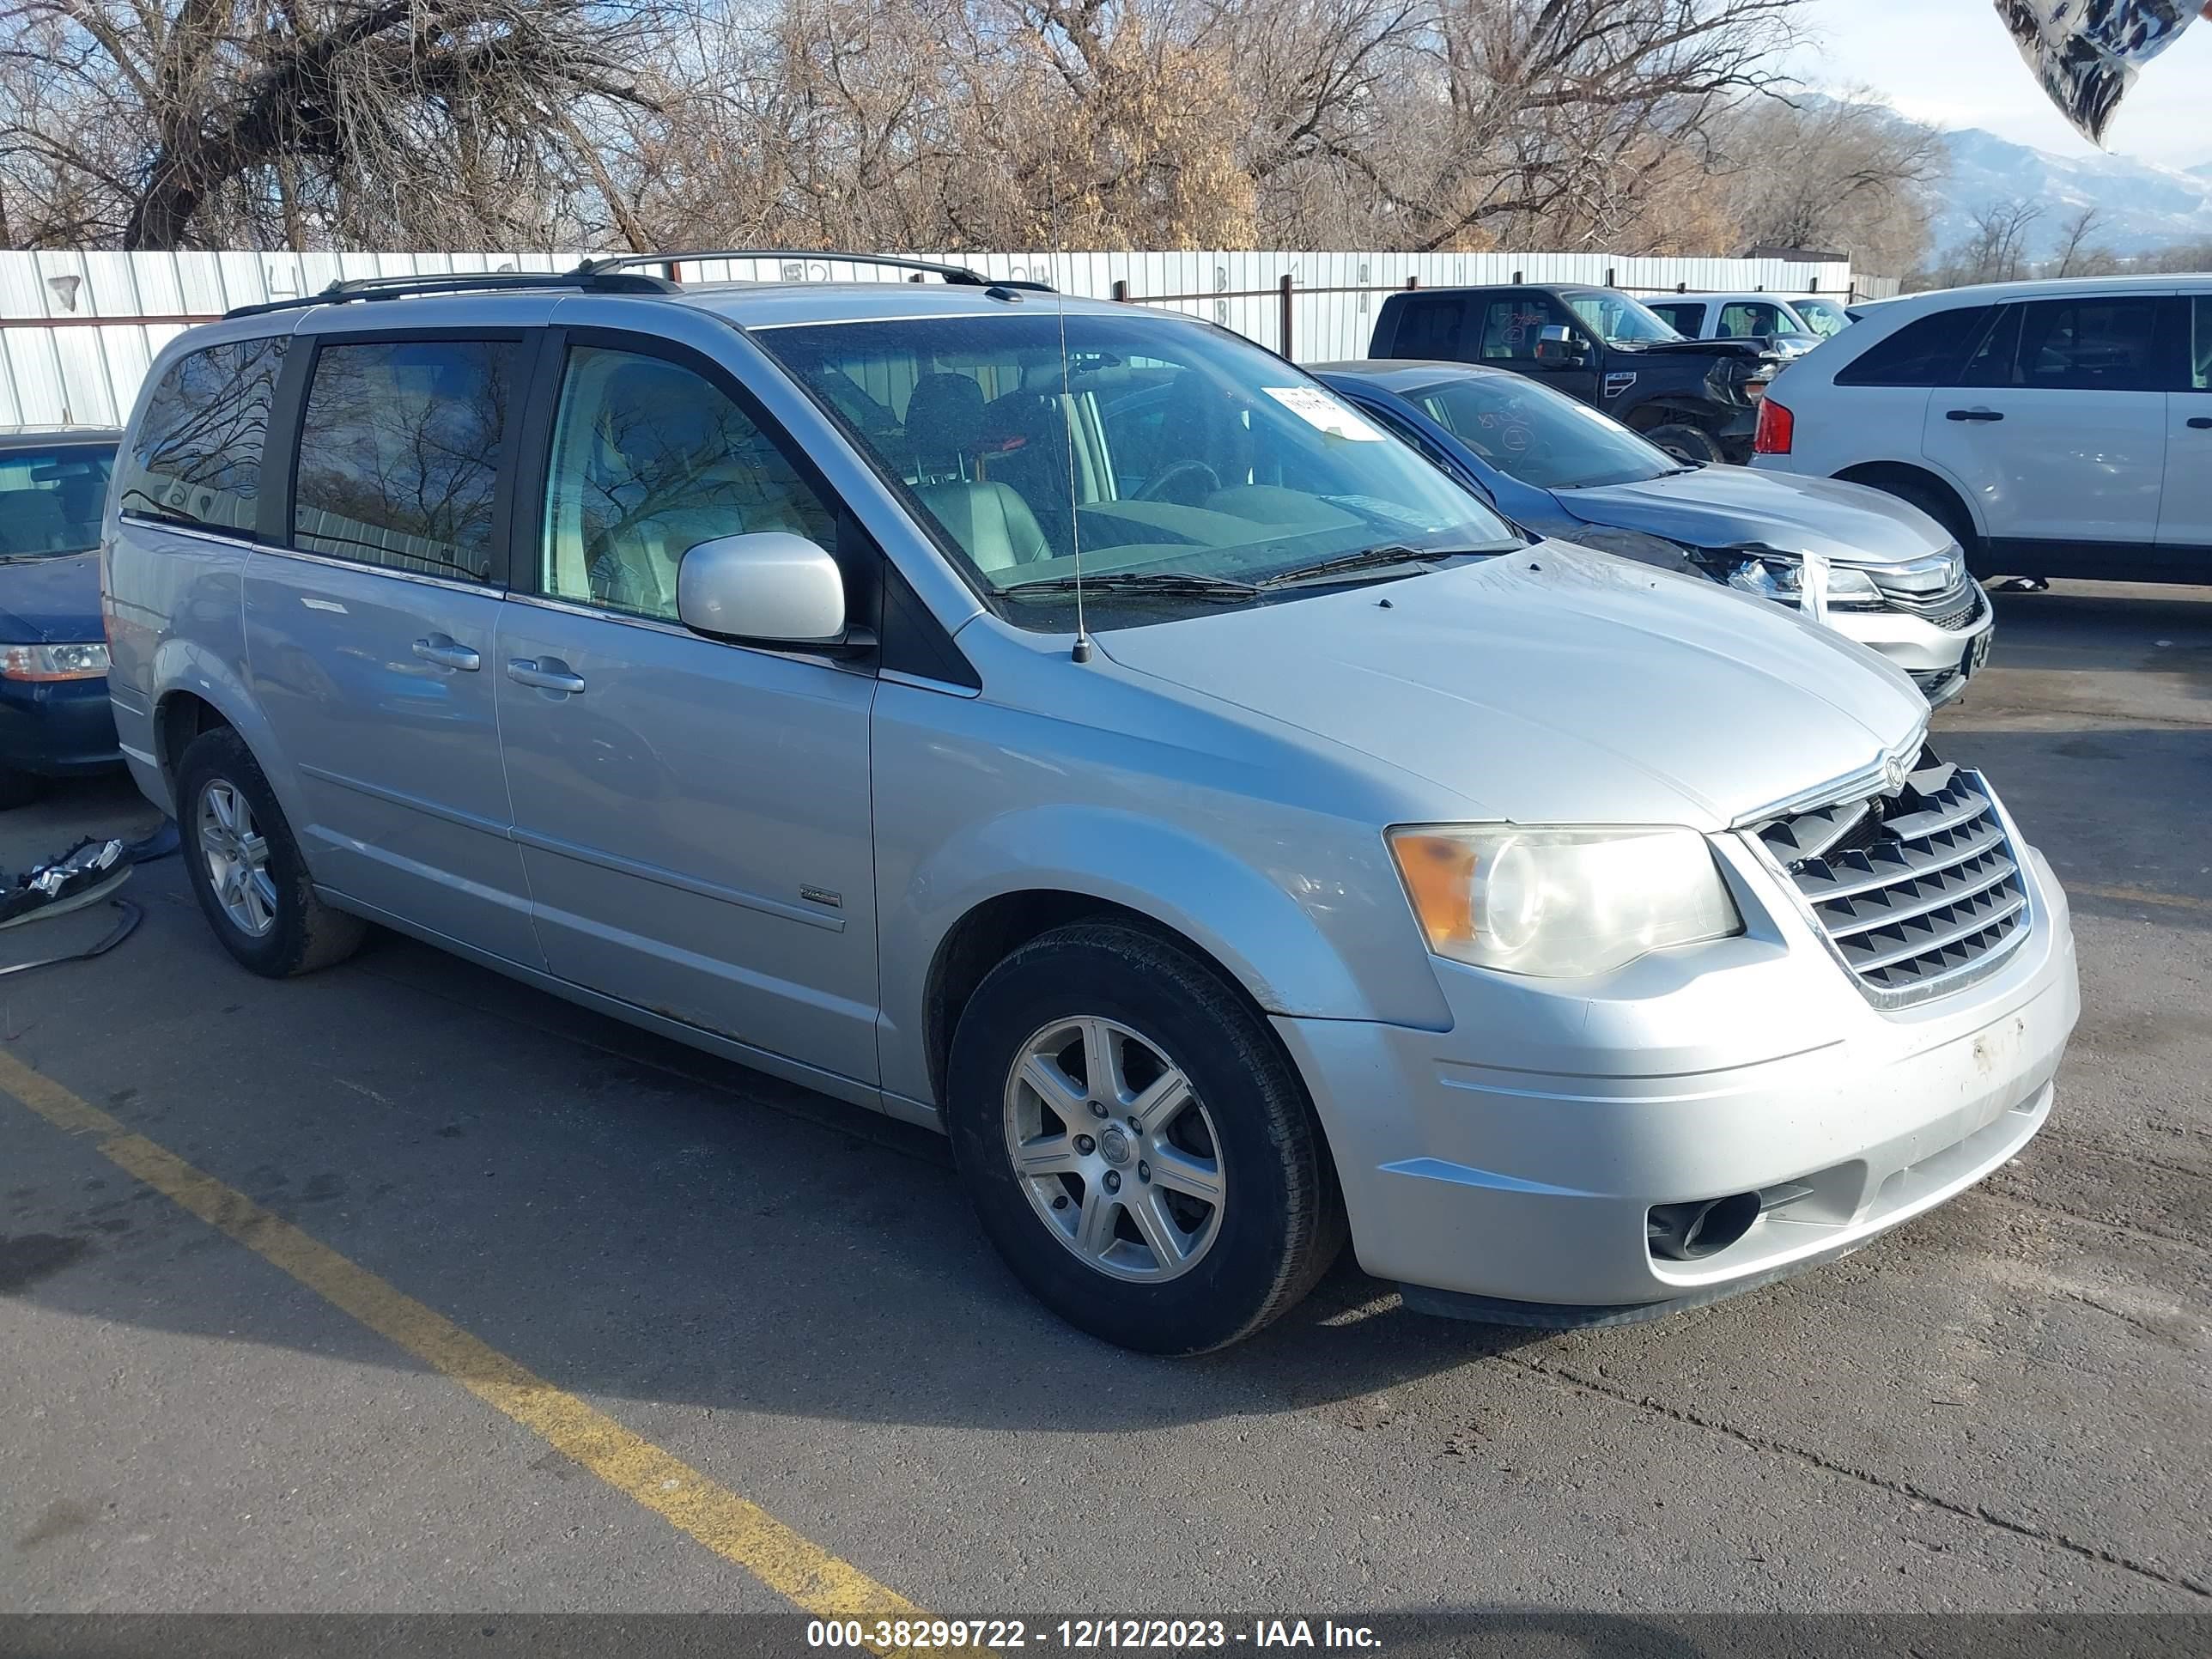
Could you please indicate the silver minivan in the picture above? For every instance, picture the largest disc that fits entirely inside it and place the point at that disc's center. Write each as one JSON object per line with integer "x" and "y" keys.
{"x": 1219, "y": 824}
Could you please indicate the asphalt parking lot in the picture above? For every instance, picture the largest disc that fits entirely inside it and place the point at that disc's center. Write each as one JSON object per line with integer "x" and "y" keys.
{"x": 2006, "y": 1405}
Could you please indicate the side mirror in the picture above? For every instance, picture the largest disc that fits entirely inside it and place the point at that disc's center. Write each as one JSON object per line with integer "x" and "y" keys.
{"x": 772, "y": 587}
{"x": 1558, "y": 343}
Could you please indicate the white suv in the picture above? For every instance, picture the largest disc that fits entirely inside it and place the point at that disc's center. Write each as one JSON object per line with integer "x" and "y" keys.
{"x": 2060, "y": 428}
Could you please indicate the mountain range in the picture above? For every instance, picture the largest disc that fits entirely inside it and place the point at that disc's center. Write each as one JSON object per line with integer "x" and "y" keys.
{"x": 2141, "y": 205}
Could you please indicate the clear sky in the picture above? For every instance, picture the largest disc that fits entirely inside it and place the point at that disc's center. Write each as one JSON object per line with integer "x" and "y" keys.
{"x": 1951, "y": 62}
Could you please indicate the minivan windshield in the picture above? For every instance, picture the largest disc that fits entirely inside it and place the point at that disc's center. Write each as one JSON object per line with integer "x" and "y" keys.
{"x": 1538, "y": 435}
{"x": 51, "y": 499}
{"x": 1618, "y": 320}
{"x": 1187, "y": 465}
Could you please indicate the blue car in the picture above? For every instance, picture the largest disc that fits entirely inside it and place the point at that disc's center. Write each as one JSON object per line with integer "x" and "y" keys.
{"x": 54, "y": 718}
{"x": 1866, "y": 564}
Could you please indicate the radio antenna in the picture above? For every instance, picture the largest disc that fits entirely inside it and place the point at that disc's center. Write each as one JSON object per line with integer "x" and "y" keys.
{"x": 1082, "y": 651}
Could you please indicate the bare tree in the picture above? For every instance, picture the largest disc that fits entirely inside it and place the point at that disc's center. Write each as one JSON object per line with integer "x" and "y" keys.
{"x": 1996, "y": 250}
{"x": 160, "y": 124}
{"x": 1419, "y": 123}
{"x": 1846, "y": 173}
{"x": 1552, "y": 115}
{"x": 2076, "y": 255}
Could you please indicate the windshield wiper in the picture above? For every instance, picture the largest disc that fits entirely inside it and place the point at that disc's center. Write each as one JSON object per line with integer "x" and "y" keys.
{"x": 1180, "y": 583}
{"x": 1389, "y": 553}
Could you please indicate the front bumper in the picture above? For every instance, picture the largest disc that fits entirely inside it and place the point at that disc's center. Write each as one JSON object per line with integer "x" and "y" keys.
{"x": 1515, "y": 1157}
{"x": 1940, "y": 660}
{"x": 56, "y": 728}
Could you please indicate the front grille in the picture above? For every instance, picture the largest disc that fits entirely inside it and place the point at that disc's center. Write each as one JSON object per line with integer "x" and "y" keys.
{"x": 1959, "y": 607}
{"x": 1919, "y": 892}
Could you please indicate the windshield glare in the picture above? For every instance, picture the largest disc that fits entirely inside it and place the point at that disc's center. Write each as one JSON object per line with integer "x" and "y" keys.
{"x": 1618, "y": 320}
{"x": 1174, "y": 448}
{"x": 1538, "y": 435}
{"x": 1823, "y": 317}
{"x": 51, "y": 500}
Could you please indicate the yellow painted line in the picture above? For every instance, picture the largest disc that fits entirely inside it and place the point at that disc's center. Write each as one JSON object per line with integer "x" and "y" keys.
{"x": 734, "y": 1527}
{"x": 2137, "y": 895}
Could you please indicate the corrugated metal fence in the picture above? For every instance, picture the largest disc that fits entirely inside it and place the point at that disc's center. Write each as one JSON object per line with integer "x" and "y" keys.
{"x": 77, "y": 330}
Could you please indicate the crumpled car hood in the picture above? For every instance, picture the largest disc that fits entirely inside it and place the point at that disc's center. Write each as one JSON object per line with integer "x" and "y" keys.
{"x": 1555, "y": 685}
{"x": 1736, "y": 505}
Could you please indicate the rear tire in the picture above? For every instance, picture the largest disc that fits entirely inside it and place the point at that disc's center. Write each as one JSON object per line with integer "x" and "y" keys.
{"x": 1688, "y": 443}
{"x": 246, "y": 869}
{"x": 1108, "y": 1221}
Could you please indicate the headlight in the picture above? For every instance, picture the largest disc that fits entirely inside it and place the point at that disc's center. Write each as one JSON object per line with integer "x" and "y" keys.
{"x": 1561, "y": 904}
{"x": 1781, "y": 577}
{"x": 52, "y": 662}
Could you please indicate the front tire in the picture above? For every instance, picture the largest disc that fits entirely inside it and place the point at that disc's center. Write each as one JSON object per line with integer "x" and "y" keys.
{"x": 246, "y": 869}
{"x": 1135, "y": 1143}
{"x": 1688, "y": 443}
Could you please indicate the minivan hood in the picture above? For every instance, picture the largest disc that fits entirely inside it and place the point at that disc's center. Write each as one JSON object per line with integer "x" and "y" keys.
{"x": 1555, "y": 685}
{"x": 1737, "y": 506}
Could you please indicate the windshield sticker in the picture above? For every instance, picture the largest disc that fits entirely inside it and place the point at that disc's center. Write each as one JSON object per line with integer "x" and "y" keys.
{"x": 1320, "y": 410}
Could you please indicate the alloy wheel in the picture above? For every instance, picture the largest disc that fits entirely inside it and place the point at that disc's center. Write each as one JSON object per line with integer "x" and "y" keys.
{"x": 1115, "y": 1152}
{"x": 236, "y": 855}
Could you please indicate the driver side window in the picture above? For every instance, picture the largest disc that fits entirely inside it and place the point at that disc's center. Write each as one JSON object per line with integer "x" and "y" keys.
{"x": 649, "y": 459}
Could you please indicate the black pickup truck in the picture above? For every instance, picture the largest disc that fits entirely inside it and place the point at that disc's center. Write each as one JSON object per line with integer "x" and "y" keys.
{"x": 1697, "y": 399}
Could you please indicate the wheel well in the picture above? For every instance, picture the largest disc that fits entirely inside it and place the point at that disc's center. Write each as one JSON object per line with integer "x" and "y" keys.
{"x": 179, "y": 718}
{"x": 996, "y": 928}
{"x": 1897, "y": 478}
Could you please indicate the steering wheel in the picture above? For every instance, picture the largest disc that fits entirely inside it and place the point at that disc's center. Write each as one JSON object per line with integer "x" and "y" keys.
{"x": 1156, "y": 489}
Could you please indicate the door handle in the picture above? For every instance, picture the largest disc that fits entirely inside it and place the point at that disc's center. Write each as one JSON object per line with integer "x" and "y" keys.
{"x": 546, "y": 673}
{"x": 2202, "y": 423}
{"x": 1974, "y": 415}
{"x": 448, "y": 653}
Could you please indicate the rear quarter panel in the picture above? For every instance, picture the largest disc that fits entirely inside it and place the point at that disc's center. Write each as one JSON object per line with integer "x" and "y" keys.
{"x": 172, "y": 602}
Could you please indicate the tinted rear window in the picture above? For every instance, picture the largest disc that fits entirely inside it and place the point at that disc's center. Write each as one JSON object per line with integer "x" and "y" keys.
{"x": 195, "y": 457}
{"x": 1926, "y": 352}
{"x": 2092, "y": 343}
{"x": 399, "y": 453}
{"x": 1429, "y": 328}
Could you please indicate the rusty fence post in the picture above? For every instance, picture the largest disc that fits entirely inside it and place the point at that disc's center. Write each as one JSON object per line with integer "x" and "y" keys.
{"x": 1285, "y": 290}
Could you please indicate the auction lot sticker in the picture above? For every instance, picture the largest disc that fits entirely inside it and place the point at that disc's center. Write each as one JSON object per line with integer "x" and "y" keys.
{"x": 1317, "y": 409}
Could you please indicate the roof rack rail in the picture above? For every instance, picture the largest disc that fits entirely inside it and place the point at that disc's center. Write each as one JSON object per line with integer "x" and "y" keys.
{"x": 397, "y": 287}
{"x": 961, "y": 275}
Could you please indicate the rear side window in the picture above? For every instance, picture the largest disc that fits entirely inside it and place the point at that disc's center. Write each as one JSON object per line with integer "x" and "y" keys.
{"x": 1684, "y": 317}
{"x": 400, "y": 446}
{"x": 2200, "y": 344}
{"x": 2085, "y": 344}
{"x": 1928, "y": 352}
{"x": 1748, "y": 319}
{"x": 194, "y": 458}
{"x": 1429, "y": 328}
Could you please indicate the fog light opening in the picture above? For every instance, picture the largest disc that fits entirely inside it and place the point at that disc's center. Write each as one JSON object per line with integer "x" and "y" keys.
{"x": 1703, "y": 1227}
